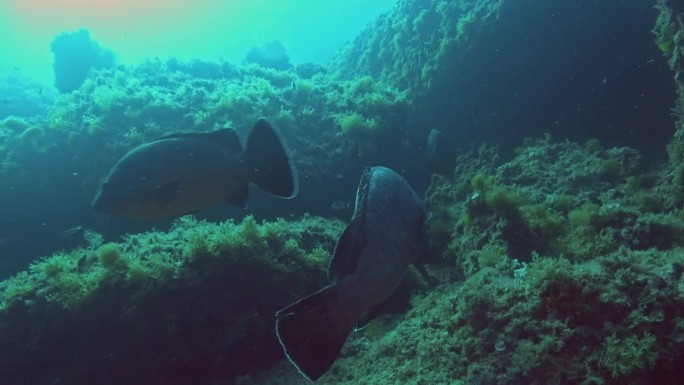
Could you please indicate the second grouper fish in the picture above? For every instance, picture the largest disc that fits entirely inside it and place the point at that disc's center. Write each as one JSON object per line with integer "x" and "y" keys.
{"x": 180, "y": 173}
{"x": 385, "y": 236}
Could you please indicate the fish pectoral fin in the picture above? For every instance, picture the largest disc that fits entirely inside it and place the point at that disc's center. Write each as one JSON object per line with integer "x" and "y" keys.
{"x": 424, "y": 251}
{"x": 370, "y": 315}
{"x": 228, "y": 138}
{"x": 420, "y": 266}
{"x": 347, "y": 250}
{"x": 239, "y": 196}
{"x": 397, "y": 302}
{"x": 167, "y": 192}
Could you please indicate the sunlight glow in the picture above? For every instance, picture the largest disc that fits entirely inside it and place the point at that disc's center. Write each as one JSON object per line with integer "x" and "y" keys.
{"x": 135, "y": 30}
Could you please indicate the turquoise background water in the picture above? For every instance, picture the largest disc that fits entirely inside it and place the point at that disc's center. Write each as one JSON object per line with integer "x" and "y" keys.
{"x": 311, "y": 30}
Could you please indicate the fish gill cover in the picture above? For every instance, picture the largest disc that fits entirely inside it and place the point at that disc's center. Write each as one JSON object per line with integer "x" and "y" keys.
{"x": 555, "y": 220}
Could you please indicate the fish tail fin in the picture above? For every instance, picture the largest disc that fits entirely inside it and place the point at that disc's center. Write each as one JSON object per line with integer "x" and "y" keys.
{"x": 312, "y": 332}
{"x": 268, "y": 163}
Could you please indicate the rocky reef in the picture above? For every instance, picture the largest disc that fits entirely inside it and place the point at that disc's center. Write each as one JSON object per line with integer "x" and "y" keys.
{"x": 556, "y": 235}
{"x": 189, "y": 305}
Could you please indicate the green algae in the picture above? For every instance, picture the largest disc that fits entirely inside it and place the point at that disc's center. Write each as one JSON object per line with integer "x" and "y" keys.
{"x": 602, "y": 303}
{"x": 559, "y": 322}
{"x": 225, "y": 273}
{"x": 356, "y": 125}
{"x": 156, "y": 258}
{"x": 117, "y": 109}
{"x": 415, "y": 44}
{"x": 594, "y": 297}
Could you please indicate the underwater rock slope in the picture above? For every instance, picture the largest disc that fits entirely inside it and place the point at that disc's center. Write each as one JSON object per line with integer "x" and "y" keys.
{"x": 564, "y": 271}
{"x": 557, "y": 262}
{"x": 193, "y": 305}
{"x": 500, "y": 70}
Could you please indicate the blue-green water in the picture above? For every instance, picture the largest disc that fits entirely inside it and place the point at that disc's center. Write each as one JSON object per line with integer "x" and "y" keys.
{"x": 543, "y": 138}
{"x": 206, "y": 29}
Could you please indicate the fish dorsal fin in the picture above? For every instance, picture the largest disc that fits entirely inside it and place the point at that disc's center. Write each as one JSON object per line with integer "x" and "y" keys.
{"x": 353, "y": 239}
{"x": 226, "y": 137}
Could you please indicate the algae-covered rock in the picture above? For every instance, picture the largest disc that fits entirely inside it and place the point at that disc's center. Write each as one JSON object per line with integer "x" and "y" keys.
{"x": 194, "y": 304}
{"x": 560, "y": 261}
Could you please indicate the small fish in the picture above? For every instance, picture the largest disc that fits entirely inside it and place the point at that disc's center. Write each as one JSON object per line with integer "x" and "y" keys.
{"x": 405, "y": 144}
{"x": 338, "y": 205}
{"x": 71, "y": 231}
{"x": 434, "y": 143}
{"x": 82, "y": 264}
{"x": 385, "y": 236}
{"x": 181, "y": 173}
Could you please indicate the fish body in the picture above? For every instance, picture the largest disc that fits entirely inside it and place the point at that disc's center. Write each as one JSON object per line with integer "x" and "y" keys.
{"x": 180, "y": 173}
{"x": 339, "y": 205}
{"x": 440, "y": 152}
{"x": 434, "y": 144}
{"x": 71, "y": 231}
{"x": 371, "y": 258}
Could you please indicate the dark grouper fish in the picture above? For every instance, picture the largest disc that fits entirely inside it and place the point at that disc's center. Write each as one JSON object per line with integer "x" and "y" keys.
{"x": 371, "y": 258}
{"x": 180, "y": 173}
